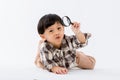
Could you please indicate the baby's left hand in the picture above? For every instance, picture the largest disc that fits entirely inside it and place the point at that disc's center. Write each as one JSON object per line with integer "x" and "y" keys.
{"x": 75, "y": 27}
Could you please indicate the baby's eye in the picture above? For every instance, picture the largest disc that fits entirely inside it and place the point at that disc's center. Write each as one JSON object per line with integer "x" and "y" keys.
{"x": 51, "y": 31}
{"x": 59, "y": 28}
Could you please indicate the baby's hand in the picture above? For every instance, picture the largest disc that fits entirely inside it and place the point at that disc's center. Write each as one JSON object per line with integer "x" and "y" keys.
{"x": 59, "y": 70}
{"x": 75, "y": 27}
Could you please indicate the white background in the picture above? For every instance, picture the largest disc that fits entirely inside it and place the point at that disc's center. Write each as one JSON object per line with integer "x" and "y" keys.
{"x": 19, "y": 37}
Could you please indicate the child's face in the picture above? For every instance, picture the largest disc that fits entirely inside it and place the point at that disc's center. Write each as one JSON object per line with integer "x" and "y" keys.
{"x": 54, "y": 34}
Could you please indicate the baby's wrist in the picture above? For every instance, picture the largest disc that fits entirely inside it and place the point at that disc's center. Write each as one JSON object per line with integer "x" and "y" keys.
{"x": 53, "y": 68}
{"x": 77, "y": 32}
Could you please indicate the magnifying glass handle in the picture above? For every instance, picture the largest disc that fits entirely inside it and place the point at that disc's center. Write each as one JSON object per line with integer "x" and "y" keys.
{"x": 71, "y": 23}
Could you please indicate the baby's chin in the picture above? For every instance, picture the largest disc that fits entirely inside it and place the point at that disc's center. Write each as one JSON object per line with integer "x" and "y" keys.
{"x": 57, "y": 45}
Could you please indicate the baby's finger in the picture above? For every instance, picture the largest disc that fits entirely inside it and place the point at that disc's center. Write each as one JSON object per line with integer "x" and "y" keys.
{"x": 60, "y": 71}
{"x": 63, "y": 71}
{"x": 78, "y": 24}
{"x": 66, "y": 70}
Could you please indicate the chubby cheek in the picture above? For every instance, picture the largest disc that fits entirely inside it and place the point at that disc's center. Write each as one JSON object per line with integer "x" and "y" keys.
{"x": 62, "y": 35}
{"x": 50, "y": 38}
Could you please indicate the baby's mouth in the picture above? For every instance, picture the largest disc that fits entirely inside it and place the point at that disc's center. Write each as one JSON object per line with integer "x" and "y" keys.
{"x": 58, "y": 37}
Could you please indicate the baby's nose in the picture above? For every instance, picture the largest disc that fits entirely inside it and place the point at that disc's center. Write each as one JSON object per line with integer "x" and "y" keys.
{"x": 56, "y": 32}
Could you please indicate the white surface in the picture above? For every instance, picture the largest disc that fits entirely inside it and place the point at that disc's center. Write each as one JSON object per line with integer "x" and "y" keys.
{"x": 19, "y": 37}
{"x": 32, "y": 73}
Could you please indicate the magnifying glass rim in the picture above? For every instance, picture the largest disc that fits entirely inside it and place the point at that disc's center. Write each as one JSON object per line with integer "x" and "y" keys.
{"x": 68, "y": 20}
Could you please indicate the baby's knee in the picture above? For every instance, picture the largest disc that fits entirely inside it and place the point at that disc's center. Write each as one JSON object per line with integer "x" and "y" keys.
{"x": 93, "y": 62}
{"x": 85, "y": 61}
{"x": 38, "y": 63}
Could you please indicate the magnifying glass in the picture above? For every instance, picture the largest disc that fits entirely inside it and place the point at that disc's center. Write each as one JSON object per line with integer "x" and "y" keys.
{"x": 66, "y": 20}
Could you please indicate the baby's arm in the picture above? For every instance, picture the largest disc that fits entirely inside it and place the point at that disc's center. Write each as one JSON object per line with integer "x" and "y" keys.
{"x": 52, "y": 66}
{"x": 76, "y": 29}
{"x": 54, "y": 69}
{"x": 49, "y": 63}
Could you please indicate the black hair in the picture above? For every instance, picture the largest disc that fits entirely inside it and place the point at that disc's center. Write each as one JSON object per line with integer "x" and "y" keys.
{"x": 48, "y": 20}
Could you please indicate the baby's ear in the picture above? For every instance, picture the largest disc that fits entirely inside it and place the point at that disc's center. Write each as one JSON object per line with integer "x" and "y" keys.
{"x": 42, "y": 36}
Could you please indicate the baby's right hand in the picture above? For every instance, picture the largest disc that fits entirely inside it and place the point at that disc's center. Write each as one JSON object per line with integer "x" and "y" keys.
{"x": 59, "y": 70}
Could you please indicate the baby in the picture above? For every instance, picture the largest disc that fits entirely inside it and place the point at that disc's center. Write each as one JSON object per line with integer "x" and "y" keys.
{"x": 57, "y": 51}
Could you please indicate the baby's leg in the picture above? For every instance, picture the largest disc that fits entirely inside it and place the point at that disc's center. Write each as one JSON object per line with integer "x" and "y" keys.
{"x": 85, "y": 61}
{"x": 38, "y": 62}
